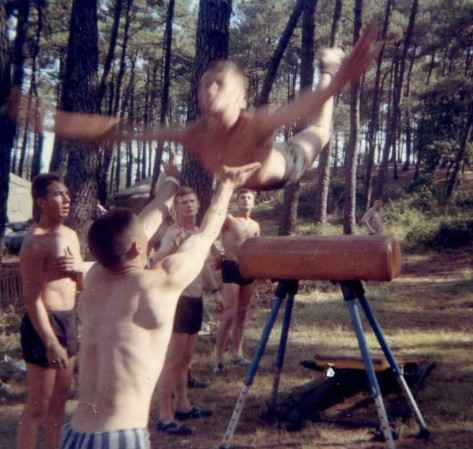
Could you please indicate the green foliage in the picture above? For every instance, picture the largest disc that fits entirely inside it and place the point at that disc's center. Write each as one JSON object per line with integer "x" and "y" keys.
{"x": 409, "y": 224}
{"x": 453, "y": 234}
{"x": 425, "y": 192}
{"x": 442, "y": 115}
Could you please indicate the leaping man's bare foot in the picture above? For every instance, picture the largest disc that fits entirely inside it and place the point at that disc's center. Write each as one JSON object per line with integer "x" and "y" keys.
{"x": 330, "y": 59}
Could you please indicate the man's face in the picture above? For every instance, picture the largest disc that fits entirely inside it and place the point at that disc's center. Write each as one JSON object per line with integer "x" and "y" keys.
{"x": 246, "y": 201}
{"x": 187, "y": 206}
{"x": 220, "y": 91}
{"x": 57, "y": 202}
{"x": 378, "y": 204}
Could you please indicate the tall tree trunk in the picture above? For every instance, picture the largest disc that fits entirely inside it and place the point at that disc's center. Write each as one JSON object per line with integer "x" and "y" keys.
{"x": 105, "y": 151}
{"x": 325, "y": 158}
{"x": 374, "y": 119}
{"x": 23, "y": 10}
{"x": 349, "y": 205}
{"x": 398, "y": 93}
{"x": 460, "y": 154}
{"x": 165, "y": 91}
{"x": 122, "y": 66}
{"x": 408, "y": 118}
{"x": 80, "y": 95}
{"x": 287, "y": 223}
{"x": 111, "y": 51}
{"x": 211, "y": 43}
{"x": 58, "y": 162}
{"x": 7, "y": 125}
{"x": 275, "y": 60}
{"x": 118, "y": 88}
{"x": 39, "y": 136}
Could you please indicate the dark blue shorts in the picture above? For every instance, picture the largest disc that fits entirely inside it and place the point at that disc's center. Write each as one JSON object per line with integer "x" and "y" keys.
{"x": 64, "y": 324}
{"x": 189, "y": 315}
{"x": 231, "y": 274}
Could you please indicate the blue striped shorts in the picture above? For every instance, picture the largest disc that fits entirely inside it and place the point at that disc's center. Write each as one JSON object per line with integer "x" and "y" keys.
{"x": 116, "y": 439}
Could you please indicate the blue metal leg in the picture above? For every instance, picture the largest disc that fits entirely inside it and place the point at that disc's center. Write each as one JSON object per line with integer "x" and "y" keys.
{"x": 283, "y": 344}
{"x": 281, "y": 292}
{"x": 349, "y": 294}
{"x": 423, "y": 432}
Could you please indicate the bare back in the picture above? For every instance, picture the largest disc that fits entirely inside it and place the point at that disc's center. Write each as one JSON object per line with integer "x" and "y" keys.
{"x": 127, "y": 323}
{"x": 234, "y": 232}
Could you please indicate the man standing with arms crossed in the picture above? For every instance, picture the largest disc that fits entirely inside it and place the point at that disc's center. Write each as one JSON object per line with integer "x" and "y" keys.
{"x": 236, "y": 290}
{"x": 127, "y": 313}
{"x": 51, "y": 270}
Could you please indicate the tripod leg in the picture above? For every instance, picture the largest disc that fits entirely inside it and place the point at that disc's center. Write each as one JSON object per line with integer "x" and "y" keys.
{"x": 253, "y": 368}
{"x": 281, "y": 350}
{"x": 373, "y": 381}
{"x": 424, "y": 432}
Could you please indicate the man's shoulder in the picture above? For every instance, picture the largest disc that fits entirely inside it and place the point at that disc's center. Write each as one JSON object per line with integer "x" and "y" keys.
{"x": 66, "y": 230}
{"x": 35, "y": 238}
{"x": 367, "y": 214}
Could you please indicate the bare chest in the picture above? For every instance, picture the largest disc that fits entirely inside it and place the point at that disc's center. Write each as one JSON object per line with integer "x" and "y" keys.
{"x": 242, "y": 144}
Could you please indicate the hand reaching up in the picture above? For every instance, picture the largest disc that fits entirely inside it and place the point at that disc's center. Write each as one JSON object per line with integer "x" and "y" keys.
{"x": 237, "y": 176}
{"x": 359, "y": 60}
{"x": 170, "y": 167}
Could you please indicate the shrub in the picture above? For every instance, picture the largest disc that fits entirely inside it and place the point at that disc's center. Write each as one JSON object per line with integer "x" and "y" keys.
{"x": 454, "y": 234}
{"x": 409, "y": 224}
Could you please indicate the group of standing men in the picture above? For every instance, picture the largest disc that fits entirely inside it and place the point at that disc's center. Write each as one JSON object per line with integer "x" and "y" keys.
{"x": 127, "y": 310}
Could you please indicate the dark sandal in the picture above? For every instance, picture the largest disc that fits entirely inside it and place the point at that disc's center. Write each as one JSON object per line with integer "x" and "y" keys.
{"x": 241, "y": 361}
{"x": 174, "y": 428}
{"x": 195, "y": 383}
{"x": 193, "y": 413}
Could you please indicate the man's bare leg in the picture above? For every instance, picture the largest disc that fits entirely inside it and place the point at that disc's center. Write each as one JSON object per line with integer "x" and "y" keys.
{"x": 244, "y": 300}
{"x": 54, "y": 418}
{"x": 182, "y": 399}
{"x": 314, "y": 138}
{"x": 167, "y": 379}
{"x": 40, "y": 382}
{"x": 230, "y": 296}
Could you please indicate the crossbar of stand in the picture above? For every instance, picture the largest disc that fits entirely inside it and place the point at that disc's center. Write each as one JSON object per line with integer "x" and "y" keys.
{"x": 351, "y": 291}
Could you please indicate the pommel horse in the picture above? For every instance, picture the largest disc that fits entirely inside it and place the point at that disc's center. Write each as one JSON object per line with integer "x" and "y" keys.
{"x": 348, "y": 260}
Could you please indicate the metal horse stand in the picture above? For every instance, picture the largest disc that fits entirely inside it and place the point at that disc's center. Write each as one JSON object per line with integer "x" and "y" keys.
{"x": 351, "y": 290}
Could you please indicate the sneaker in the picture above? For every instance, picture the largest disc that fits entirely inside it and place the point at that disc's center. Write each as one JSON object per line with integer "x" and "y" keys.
{"x": 330, "y": 59}
{"x": 193, "y": 413}
{"x": 219, "y": 370}
{"x": 241, "y": 361}
{"x": 195, "y": 383}
{"x": 174, "y": 428}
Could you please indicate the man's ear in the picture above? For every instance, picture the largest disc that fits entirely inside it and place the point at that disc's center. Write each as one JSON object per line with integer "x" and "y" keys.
{"x": 243, "y": 100}
{"x": 136, "y": 249}
{"x": 40, "y": 202}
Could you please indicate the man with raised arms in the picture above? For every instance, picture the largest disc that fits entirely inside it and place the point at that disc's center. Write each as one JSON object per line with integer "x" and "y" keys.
{"x": 187, "y": 322}
{"x": 127, "y": 314}
{"x": 226, "y": 134}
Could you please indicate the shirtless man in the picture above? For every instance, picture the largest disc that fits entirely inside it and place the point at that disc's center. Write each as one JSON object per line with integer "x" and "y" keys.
{"x": 51, "y": 269}
{"x": 236, "y": 290}
{"x": 187, "y": 322}
{"x": 239, "y": 137}
{"x": 127, "y": 314}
